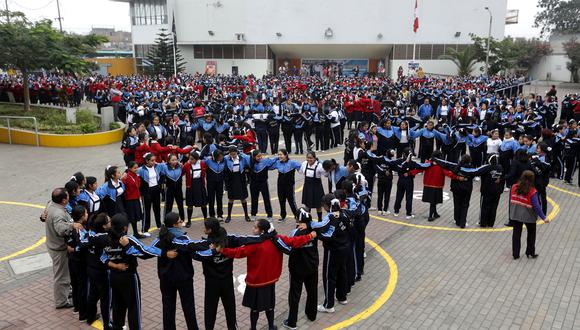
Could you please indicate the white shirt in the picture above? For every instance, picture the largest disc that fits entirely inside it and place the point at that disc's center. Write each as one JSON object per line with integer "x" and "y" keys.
{"x": 118, "y": 188}
{"x": 404, "y": 138}
{"x": 493, "y": 146}
{"x": 94, "y": 201}
{"x": 152, "y": 176}
{"x": 444, "y": 110}
{"x": 236, "y": 165}
{"x": 335, "y": 122}
{"x": 158, "y": 131}
{"x": 196, "y": 170}
{"x": 314, "y": 171}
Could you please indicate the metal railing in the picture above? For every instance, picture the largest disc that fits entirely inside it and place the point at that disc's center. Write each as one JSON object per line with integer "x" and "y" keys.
{"x": 513, "y": 90}
{"x": 21, "y": 117}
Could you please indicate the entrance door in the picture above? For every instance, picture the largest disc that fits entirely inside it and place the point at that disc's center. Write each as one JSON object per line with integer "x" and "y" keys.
{"x": 235, "y": 70}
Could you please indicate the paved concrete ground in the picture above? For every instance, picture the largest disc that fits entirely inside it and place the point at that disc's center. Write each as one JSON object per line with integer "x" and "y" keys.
{"x": 448, "y": 279}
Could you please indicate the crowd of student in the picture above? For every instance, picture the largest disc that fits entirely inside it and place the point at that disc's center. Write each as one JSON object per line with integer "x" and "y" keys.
{"x": 217, "y": 136}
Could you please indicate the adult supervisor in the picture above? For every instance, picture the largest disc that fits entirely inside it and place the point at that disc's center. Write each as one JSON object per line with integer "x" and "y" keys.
{"x": 59, "y": 224}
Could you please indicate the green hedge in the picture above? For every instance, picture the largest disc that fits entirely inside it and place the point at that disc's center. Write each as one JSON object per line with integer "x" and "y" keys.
{"x": 50, "y": 120}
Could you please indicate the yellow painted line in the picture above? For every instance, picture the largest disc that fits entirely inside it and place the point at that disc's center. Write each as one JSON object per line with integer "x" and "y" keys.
{"x": 564, "y": 191}
{"x": 382, "y": 299}
{"x": 30, "y": 248}
{"x": 36, "y": 206}
{"x": 553, "y": 213}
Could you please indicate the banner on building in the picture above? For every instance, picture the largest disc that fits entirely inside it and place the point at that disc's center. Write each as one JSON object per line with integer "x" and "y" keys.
{"x": 210, "y": 68}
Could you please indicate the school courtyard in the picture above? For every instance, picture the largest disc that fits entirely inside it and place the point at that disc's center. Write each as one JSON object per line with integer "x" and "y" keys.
{"x": 418, "y": 275}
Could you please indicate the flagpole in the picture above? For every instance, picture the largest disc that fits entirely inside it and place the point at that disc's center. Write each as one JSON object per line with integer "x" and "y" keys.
{"x": 174, "y": 60}
{"x": 174, "y": 35}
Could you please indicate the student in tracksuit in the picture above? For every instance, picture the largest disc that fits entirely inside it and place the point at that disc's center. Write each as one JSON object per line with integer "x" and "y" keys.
{"x": 298, "y": 132}
{"x": 287, "y": 129}
{"x": 77, "y": 264}
{"x": 405, "y": 183}
{"x": 120, "y": 255}
{"x": 286, "y": 170}
{"x": 570, "y": 154}
{"x": 172, "y": 172}
{"x": 150, "y": 175}
{"x": 112, "y": 191}
{"x": 218, "y": 272}
{"x": 259, "y": 167}
{"x": 98, "y": 290}
{"x": 175, "y": 271}
{"x": 214, "y": 176}
{"x": 477, "y": 144}
{"x": 333, "y": 233}
{"x": 358, "y": 211}
{"x": 492, "y": 184}
{"x": 303, "y": 268}
{"x": 384, "y": 182}
{"x": 274, "y": 130}
{"x": 336, "y": 174}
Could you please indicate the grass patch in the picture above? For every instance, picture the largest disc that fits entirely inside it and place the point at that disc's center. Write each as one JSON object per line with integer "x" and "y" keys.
{"x": 50, "y": 120}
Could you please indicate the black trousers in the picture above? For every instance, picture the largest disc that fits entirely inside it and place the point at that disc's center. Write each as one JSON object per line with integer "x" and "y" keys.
{"x": 214, "y": 290}
{"x": 274, "y": 135}
{"x": 257, "y": 188}
{"x": 359, "y": 243}
{"x": 308, "y": 136}
{"x": 286, "y": 193}
{"x": 174, "y": 194}
{"x": 126, "y": 297}
{"x": 488, "y": 206}
{"x": 460, "y": 207}
{"x": 298, "y": 132}
{"x": 287, "y": 133}
{"x": 98, "y": 290}
{"x": 310, "y": 283}
{"x": 404, "y": 189}
{"x": 401, "y": 148}
{"x": 262, "y": 137}
{"x": 570, "y": 164}
{"x": 384, "y": 188}
{"x": 169, "y": 290}
{"x": 152, "y": 198}
{"x": 558, "y": 166}
{"x": 215, "y": 195}
{"x": 319, "y": 137}
{"x": 79, "y": 282}
{"x": 543, "y": 198}
{"x": 334, "y": 276}
{"x": 335, "y": 131}
{"x": 517, "y": 238}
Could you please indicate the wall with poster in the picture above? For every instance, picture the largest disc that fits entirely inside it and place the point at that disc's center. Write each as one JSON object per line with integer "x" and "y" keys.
{"x": 315, "y": 67}
{"x": 210, "y": 68}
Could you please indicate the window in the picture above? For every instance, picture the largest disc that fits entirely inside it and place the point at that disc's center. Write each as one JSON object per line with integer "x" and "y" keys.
{"x": 207, "y": 51}
{"x": 261, "y": 51}
{"x": 217, "y": 51}
{"x": 197, "y": 51}
{"x": 148, "y": 12}
{"x": 238, "y": 52}
{"x": 228, "y": 51}
{"x": 250, "y": 52}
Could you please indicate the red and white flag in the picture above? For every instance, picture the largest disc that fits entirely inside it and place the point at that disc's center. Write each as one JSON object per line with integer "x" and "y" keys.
{"x": 416, "y": 20}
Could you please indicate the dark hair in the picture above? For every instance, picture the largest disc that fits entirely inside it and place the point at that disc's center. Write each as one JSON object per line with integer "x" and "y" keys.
{"x": 77, "y": 212}
{"x": 97, "y": 222}
{"x": 233, "y": 149}
{"x": 263, "y": 225}
{"x": 148, "y": 157}
{"x": 207, "y": 138}
{"x": 142, "y": 136}
{"x": 91, "y": 180}
{"x": 70, "y": 187}
{"x": 218, "y": 235}
{"x": 354, "y": 164}
{"x": 169, "y": 139}
{"x": 109, "y": 172}
{"x": 118, "y": 224}
{"x": 58, "y": 195}
{"x": 165, "y": 236}
{"x": 526, "y": 183}
{"x": 78, "y": 177}
{"x": 131, "y": 164}
{"x": 311, "y": 153}
{"x": 522, "y": 156}
{"x": 329, "y": 200}
{"x": 327, "y": 164}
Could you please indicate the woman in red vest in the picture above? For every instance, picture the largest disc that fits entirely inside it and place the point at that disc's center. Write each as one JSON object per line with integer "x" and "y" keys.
{"x": 525, "y": 208}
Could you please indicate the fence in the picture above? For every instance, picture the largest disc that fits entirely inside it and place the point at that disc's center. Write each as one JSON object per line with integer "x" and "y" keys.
{"x": 21, "y": 117}
{"x": 513, "y": 90}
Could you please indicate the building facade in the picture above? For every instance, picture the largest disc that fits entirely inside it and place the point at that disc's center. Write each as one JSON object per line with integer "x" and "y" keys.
{"x": 305, "y": 36}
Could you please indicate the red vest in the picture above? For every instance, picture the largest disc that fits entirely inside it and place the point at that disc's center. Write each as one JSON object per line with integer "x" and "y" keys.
{"x": 525, "y": 201}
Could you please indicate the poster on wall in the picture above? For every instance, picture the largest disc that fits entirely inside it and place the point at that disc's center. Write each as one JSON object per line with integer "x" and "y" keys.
{"x": 413, "y": 67}
{"x": 330, "y": 67}
{"x": 210, "y": 68}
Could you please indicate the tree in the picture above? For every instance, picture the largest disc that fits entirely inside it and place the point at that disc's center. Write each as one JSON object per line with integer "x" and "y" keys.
{"x": 572, "y": 48}
{"x": 465, "y": 60}
{"x": 558, "y": 16}
{"x": 518, "y": 55}
{"x": 161, "y": 55}
{"x": 34, "y": 46}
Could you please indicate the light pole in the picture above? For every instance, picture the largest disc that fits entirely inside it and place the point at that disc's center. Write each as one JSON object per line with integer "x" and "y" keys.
{"x": 488, "y": 42}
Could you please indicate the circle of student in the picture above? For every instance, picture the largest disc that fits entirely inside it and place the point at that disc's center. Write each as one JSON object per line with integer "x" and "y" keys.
{"x": 201, "y": 134}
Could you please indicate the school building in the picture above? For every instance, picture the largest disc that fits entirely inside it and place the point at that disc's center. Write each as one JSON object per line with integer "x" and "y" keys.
{"x": 264, "y": 36}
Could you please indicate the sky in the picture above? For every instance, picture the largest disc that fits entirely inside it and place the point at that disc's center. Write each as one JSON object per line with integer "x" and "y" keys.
{"x": 105, "y": 13}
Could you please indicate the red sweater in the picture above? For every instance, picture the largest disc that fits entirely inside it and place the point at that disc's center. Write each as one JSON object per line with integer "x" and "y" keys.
{"x": 187, "y": 172}
{"x": 264, "y": 259}
{"x": 159, "y": 151}
{"x": 139, "y": 152}
{"x": 435, "y": 176}
{"x": 132, "y": 185}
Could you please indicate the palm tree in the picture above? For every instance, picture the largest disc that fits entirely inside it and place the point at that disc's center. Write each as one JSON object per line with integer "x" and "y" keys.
{"x": 465, "y": 60}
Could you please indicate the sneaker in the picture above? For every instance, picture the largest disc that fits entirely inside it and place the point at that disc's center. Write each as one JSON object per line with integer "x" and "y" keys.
{"x": 381, "y": 213}
{"x": 323, "y": 309}
{"x": 396, "y": 214}
{"x": 285, "y": 325}
{"x": 364, "y": 254}
{"x": 430, "y": 219}
{"x": 75, "y": 311}
{"x": 269, "y": 219}
{"x": 387, "y": 212}
{"x": 477, "y": 179}
{"x": 249, "y": 219}
{"x": 282, "y": 220}
{"x": 344, "y": 302}
{"x": 65, "y": 306}
{"x": 83, "y": 320}
{"x": 410, "y": 216}
{"x": 372, "y": 208}
{"x": 253, "y": 218}
{"x": 188, "y": 224}
{"x": 220, "y": 219}
{"x": 146, "y": 234}
{"x": 228, "y": 219}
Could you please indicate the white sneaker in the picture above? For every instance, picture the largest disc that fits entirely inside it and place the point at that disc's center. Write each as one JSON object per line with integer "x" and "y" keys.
{"x": 396, "y": 214}
{"x": 387, "y": 212}
{"x": 506, "y": 189}
{"x": 343, "y": 302}
{"x": 253, "y": 218}
{"x": 364, "y": 254}
{"x": 269, "y": 219}
{"x": 381, "y": 213}
{"x": 410, "y": 216}
{"x": 220, "y": 219}
{"x": 146, "y": 234}
{"x": 476, "y": 179}
{"x": 323, "y": 309}
{"x": 372, "y": 208}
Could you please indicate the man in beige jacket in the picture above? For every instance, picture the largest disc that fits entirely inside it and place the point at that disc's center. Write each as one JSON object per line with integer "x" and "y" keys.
{"x": 59, "y": 225}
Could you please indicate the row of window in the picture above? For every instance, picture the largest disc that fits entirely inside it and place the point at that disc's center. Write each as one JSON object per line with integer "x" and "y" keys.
{"x": 233, "y": 52}
{"x": 424, "y": 51}
{"x": 149, "y": 12}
